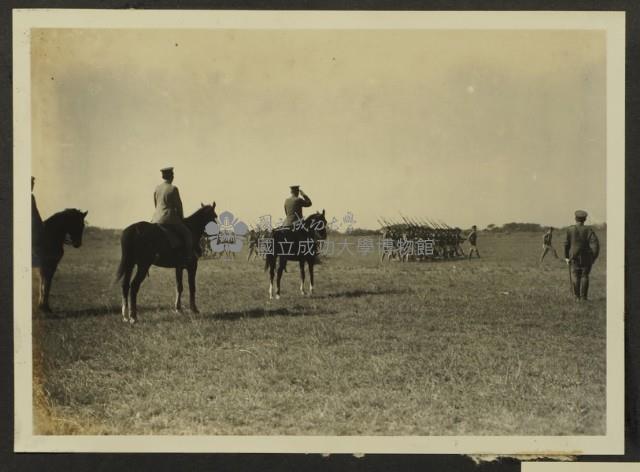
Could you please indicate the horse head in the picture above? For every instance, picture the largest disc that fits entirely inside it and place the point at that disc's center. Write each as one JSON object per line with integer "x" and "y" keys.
{"x": 208, "y": 213}
{"x": 75, "y": 226}
{"x": 317, "y": 224}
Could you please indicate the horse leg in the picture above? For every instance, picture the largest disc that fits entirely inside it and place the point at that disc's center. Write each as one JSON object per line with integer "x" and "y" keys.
{"x": 191, "y": 274}
{"x": 178, "y": 305}
{"x": 271, "y": 261}
{"x": 302, "y": 277}
{"x": 141, "y": 273}
{"x": 126, "y": 284}
{"x": 281, "y": 266}
{"x": 41, "y": 288}
{"x": 45, "y": 284}
{"x": 311, "y": 277}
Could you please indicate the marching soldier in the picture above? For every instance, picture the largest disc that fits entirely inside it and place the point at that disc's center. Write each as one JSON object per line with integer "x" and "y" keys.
{"x": 168, "y": 204}
{"x": 458, "y": 242}
{"x": 293, "y": 207}
{"x": 581, "y": 249}
{"x": 547, "y": 244}
{"x": 473, "y": 238}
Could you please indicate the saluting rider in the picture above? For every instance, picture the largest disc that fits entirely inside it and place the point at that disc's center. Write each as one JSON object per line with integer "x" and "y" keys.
{"x": 293, "y": 207}
{"x": 168, "y": 204}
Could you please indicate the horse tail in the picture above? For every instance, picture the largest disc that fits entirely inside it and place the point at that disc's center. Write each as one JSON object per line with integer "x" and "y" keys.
{"x": 127, "y": 241}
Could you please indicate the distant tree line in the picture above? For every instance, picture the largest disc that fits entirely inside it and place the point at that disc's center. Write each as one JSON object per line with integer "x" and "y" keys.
{"x": 530, "y": 227}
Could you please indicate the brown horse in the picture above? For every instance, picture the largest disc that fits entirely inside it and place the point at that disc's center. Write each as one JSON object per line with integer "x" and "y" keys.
{"x": 301, "y": 245}
{"x": 65, "y": 227}
{"x": 145, "y": 244}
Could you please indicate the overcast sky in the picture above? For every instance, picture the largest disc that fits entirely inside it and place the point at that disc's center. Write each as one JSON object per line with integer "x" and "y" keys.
{"x": 469, "y": 127}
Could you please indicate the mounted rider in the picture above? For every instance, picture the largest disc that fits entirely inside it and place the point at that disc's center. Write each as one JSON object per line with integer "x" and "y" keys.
{"x": 169, "y": 214}
{"x": 293, "y": 208}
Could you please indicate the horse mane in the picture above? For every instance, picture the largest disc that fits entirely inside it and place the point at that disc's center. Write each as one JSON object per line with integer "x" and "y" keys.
{"x": 312, "y": 216}
{"x": 64, "y": 213}
{"x": 197, "y": 212}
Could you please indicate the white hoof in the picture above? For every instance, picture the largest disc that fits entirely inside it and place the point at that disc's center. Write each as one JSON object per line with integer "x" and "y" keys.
{"x": 277, "y": 296}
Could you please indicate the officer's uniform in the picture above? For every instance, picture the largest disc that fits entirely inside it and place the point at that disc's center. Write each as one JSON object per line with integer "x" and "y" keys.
{"x": 168, "y": 204}
{"x": 473, "y": 238}
{"x": 293, "y": 209}
{"x": 582, "y": 248}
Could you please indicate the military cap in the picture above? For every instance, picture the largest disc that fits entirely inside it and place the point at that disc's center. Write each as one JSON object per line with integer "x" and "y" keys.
{"x": 166, "y": 170}
{"x": 581, "y": 214}
{"x": 294, "y": 187}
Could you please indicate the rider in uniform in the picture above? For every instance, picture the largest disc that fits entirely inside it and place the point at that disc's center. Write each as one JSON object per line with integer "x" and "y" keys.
{"x": 168, "y": 204}
{"x": 293, "y": 207}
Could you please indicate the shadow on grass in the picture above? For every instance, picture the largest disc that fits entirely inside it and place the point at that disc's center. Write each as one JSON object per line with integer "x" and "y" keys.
{"x": 362, "y": 293}
{"x": 265, "y": 312}
{"x": 93, "y": 312}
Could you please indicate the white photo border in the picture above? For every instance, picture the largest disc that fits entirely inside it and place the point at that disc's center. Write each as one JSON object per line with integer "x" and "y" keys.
{"x": 613, "y": 23}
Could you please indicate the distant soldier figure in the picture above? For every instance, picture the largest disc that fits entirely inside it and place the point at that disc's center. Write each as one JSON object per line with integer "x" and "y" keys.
{"x": 473, "y": 238}
{"x": 459, "y": 251}
{"x": 293, "y": 207}
{"x": 37, "y": 230}
{"x": 547, "y": 246}
{"x": 168, "y": 204}
{"x": 253, "y": 238}
{"x": 581, "y": 249}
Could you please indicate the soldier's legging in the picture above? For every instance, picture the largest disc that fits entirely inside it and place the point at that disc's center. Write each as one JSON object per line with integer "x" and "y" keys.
{"x": 580, "y": 279}
{"x": 545, "y": 249}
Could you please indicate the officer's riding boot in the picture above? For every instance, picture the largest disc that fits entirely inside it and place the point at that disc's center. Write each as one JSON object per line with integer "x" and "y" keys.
{"x": 584, "y": 287}
{"x": 575, "y": 276}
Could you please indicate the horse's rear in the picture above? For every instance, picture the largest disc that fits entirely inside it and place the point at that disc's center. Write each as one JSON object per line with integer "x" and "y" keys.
{"x": 139, "y": 245}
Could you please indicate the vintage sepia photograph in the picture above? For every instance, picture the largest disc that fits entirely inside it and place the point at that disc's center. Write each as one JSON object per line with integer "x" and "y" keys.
{"x": 404, "y": 229}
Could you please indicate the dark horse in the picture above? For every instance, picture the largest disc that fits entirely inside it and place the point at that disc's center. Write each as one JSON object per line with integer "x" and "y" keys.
{"x": 301, "y": 245}
{"x": 65, "y": 227}
{"x": 145, "y": 244}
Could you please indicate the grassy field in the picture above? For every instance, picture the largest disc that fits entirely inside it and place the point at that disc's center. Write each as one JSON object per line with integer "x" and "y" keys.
{"x": 489, "y": 346}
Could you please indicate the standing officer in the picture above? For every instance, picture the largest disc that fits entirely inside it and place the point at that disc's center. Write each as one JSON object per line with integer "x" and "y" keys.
{"x": 168, "y": 204}
{"x": 581, "y": 249}
{"x": 293, "y": 207}
{"x": 473, "y": 238}
{"x": 547, "y": 244}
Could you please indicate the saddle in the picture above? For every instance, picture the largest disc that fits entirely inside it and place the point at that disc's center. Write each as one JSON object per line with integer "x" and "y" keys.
{"x": 175, "y": 240}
